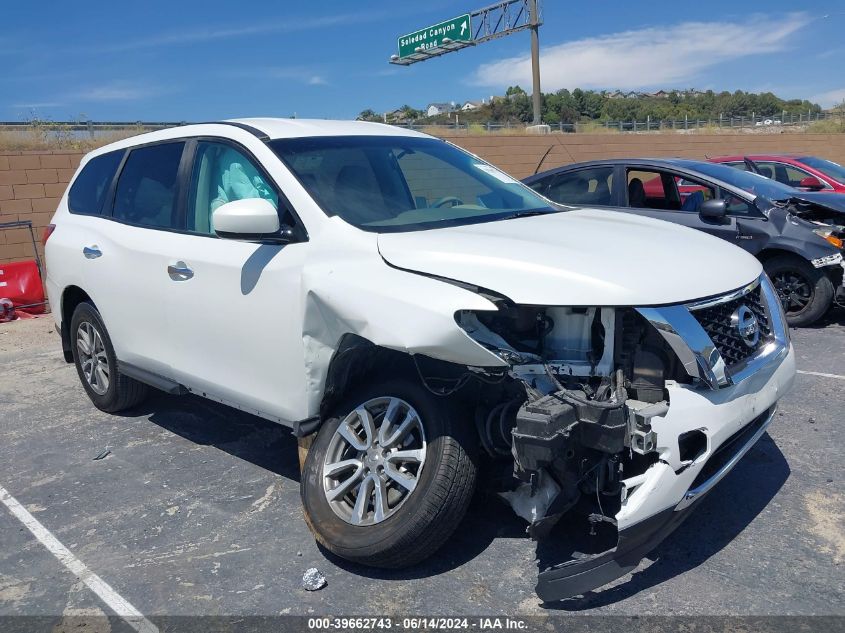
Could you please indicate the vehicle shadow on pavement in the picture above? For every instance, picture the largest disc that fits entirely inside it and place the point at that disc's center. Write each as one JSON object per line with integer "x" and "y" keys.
{"x": 718, "y": 520}
{"x": 834, "y": 316}
{"x": 261, "y": 442}
{"x": 487, "y": 519}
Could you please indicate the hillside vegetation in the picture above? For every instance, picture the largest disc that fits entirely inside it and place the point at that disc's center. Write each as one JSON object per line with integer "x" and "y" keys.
{"x": 579, "y": 105}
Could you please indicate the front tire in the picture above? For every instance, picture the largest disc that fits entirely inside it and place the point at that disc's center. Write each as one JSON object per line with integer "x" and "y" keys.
{"x": 389, "y": 475}
{"x": 96, "y": 363}
{"x": 805, "y": 292}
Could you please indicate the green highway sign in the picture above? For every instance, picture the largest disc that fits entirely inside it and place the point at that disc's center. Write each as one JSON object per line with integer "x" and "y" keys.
{"x": 457, "y": 29}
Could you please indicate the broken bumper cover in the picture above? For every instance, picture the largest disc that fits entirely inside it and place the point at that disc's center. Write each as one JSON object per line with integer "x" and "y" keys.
{"x": 733, "y": 419}
{"x": 839, "y": 297}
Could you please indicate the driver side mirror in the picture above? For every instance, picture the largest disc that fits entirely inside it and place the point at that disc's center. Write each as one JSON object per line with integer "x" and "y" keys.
{"x": 713, "y": 211}
{"x": 811, "y": 182}
{"x": 249, "y": 219}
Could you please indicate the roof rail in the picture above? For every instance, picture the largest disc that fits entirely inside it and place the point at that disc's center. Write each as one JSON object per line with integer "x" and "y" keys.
{"x": 247, "y": 128}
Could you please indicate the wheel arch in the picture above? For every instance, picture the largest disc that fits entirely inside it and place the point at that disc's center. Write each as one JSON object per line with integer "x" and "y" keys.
{"x": 358, "y": 359}
{"x": 769, "y": 253}
{"x": 355, "y": 360}
{"x": 72, "y": 296}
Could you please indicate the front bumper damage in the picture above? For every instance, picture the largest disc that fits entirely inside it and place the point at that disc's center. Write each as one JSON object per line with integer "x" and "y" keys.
{"x": 839, "y": 296}
{"x": 679, "y": 447}
{"x": 657, "y": 503}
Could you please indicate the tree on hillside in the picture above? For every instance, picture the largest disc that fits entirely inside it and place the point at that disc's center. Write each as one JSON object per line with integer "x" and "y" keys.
{"x": 410, "y": 113}
{"x": 369, "y": 115}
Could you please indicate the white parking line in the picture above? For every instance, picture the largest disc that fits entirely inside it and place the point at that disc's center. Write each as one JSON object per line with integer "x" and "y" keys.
{"x": 118, "y": 604}
{"x": 818, "y": 373}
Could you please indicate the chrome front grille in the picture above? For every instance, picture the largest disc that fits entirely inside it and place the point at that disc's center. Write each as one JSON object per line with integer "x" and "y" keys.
{"x": 709, "y": 336}
{"x": 718, "y": 320}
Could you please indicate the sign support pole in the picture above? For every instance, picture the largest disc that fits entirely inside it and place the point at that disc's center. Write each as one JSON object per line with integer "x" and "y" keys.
{"x": 535, "y": 60}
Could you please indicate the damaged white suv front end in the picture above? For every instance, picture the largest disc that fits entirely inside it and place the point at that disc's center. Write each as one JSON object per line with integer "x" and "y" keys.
{"x": 616, "y": 418}
{"x": 616, "y": 409}
{"x": 418, "y": 318}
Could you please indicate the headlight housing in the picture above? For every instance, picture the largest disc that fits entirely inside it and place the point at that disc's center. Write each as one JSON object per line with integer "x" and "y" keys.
{"x": 828, "y": 234}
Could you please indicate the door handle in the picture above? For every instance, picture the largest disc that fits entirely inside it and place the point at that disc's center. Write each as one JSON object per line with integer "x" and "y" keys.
{"x": 179, "y": 271}
{"x": 92, "y": 252}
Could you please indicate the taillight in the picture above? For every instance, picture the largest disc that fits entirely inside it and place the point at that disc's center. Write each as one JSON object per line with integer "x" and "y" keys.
{"x": 48, "y": 231}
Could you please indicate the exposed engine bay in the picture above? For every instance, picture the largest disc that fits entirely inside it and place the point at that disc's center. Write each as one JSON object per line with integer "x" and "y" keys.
{"x": 816, "y": 213}
{"x": 829, "y": 223}
{"x": 573, "y": 420}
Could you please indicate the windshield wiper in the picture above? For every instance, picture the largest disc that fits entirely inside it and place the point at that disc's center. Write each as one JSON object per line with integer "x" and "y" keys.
{"x": 527, "y": 213}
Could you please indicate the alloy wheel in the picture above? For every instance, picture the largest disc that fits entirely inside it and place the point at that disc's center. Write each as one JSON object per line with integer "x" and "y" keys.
{"x": 374, "y": 461}
{"x": 93, "y": 358}
{"x": 794, "y": 290}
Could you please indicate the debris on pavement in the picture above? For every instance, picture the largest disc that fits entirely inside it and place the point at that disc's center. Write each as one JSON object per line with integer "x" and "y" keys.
{"x": 313, "y": 580}
{"x": 103, "y": 454}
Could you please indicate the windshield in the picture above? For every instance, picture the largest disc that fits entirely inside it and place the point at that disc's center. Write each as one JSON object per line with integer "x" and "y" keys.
{"x": 401, "y": 183}
{"x": 754, "y": 184}
{"x": 827, "y": 167}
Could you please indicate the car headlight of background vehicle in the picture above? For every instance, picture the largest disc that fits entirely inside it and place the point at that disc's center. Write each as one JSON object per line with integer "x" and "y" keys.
{"x": 829, "y": 234}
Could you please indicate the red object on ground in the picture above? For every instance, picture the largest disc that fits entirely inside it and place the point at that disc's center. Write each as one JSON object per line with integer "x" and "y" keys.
{"x": 21, "y": 283}
{"x": 7, "y": 310}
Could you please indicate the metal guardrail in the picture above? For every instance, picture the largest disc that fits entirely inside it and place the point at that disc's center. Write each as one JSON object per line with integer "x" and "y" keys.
{"x": 94, "y": 129}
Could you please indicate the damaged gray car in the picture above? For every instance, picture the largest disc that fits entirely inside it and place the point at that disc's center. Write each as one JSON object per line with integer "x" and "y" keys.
{"x": 797, "y": 235}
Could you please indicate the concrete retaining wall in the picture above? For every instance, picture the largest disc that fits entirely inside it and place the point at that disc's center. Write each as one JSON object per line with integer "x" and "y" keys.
{"x": 31, "y": 183}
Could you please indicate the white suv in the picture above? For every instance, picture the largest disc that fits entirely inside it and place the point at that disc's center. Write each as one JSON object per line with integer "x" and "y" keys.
{"x": 412, "y": 312}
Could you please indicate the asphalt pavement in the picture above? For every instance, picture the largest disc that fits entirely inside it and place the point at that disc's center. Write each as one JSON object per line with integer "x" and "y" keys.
{"x": 196, "y": 510}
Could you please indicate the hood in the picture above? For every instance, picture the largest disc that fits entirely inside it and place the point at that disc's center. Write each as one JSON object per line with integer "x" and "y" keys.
{"x": 586, "y": 257}
{"x": 833, "y": 201}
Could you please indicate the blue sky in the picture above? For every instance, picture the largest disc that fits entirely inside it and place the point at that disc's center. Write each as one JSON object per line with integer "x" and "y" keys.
{"x": 186, "y": 60}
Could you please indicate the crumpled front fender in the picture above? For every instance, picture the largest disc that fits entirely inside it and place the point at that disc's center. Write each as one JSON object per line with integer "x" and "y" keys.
{"x": 389, "y": 307}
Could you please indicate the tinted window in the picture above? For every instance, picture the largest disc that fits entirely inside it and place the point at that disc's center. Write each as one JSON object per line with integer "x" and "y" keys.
{"x": 399, "y": 183}
{"x": 222, "y": 174}
{"x": 654, "y": 189}
{"x": 829, "y": 168}
{"x": 646, "y": 190}
{"x": 146, "y": 189}
{"x": 751, "y": 182}
{"x": 584, "y": 187}
{"x": 91, "y": 186}
{"x": 782, "y": 172}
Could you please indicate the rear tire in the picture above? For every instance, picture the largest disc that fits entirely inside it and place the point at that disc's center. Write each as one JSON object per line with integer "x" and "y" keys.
{"x": 96, "y": 363}
{"x": 411, "y": 525}
{"x": 806, "y": 293}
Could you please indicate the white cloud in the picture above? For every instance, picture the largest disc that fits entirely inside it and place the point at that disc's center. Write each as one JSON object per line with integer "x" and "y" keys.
{"x": 37, "y": 105}
{"x": 118, "y": 91}
{"x": 300, "y": 74}
{"x": 656, "y": 56}
{"x": 830, "y": 98}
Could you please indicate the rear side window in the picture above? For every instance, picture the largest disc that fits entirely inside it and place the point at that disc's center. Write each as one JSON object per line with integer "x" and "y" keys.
{"x": 586, "y": 186}
{"x": 89, "y": 190}
{"x": 146, "y": 191}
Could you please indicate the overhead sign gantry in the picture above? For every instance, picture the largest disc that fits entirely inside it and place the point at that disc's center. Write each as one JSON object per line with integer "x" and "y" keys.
{"x": 497, "y": 20}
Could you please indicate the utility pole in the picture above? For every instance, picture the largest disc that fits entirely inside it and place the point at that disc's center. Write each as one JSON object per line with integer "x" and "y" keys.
{"x": 534, "y": 20}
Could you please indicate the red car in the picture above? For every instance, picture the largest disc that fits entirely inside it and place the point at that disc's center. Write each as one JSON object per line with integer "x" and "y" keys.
{"x": 809, "y": 173}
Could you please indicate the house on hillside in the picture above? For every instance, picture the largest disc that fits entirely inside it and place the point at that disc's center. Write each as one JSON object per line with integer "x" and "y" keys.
{"x": 616, "y": 94}
{"x": 434, "y": 109}
{"x": 395, "y": 116}
{"x": 631, "y": 95}
{"x": 471, "y": 105}
{"x": 660, "y": 94}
